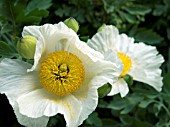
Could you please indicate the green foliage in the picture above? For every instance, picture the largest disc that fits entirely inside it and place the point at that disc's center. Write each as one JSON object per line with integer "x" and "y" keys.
{"x": 6, "y": 50}
{"x": 94, "y": 120}
{"x": 17, "y": 13}
{"x": 56, "y": 120}
{"x": 142, "y": 107}
{"x": 40, "y": 5}
{"x": 166, "y": 81}
{"x": 147, "y": 21}
{"x": 148, "y": 36}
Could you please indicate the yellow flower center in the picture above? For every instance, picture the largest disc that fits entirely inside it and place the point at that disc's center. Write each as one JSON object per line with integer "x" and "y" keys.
{"x": 127, "y": 62}
{"x": 61, "y": 73}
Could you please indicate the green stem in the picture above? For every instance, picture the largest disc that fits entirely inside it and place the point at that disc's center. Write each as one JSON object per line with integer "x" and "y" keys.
{"x": 164, "y": 107}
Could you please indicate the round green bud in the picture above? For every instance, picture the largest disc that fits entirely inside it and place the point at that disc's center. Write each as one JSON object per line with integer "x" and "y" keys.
{"x": 104, "y": 90}
{"x": 26, "y": 47}
{"x": 72, "y": 23}
{"x": 128, "y": 79}
{"x": 101, "y": 28}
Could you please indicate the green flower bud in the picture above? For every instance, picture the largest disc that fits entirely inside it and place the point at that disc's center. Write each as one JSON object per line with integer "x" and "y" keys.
{"x": 72, "y": 23}
{"x": 101, "y": 28}
{"x": 104, "y": 90}
{"x": 128, "y": 79}
{"x": 26, "y": 47}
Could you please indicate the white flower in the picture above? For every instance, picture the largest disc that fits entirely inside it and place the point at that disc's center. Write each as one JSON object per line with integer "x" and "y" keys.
{"x": 64, "y": 78}
{"x": 141, "y": 61}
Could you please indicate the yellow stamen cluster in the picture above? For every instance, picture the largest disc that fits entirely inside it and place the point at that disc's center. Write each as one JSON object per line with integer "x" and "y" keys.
{"x": 61, "y": 73}
{"x": 127, "y": 62}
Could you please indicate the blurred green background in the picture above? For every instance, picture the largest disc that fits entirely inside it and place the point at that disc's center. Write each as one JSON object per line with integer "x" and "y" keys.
{"x": 145, "y": 20}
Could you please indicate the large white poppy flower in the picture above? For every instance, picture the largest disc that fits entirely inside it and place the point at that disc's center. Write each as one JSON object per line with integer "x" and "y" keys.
{"x": 141, "y": 61}
{"x": 64, "y": 78}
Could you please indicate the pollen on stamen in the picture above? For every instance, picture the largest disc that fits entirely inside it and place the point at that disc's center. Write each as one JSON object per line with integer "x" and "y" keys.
{"x": 127, "y": 63}
{"x": 61, "y": 73}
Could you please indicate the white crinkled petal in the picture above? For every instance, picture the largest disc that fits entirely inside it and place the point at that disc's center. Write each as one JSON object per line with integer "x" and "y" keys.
{"x": 104, "y": 40}
{"x": 109, "y": 39}
{"x": 14, "y": 79}
{"x": 146, "y": 65}
{"x": 42, "y": 103}
{"x": 88, "y": 96}
{"x": 124, "y": 44}
{"x": 95, "y": 64}
{"x": 96, "y": 75}
{"x": 87, "y": 93}
{"x": 14, "y": 82}
{"x": 119, "y": 87}
{"x": 97, "y": 72}
{"x": 30, "y": 122}
{"x": 58, "y": 37}
{"x": 103, "y": 72}
{"x": 83, "y": 51}
{"x": 113, "y": 57}
{"x": 51, "y": 38}
{"x": 40, "y": 44}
